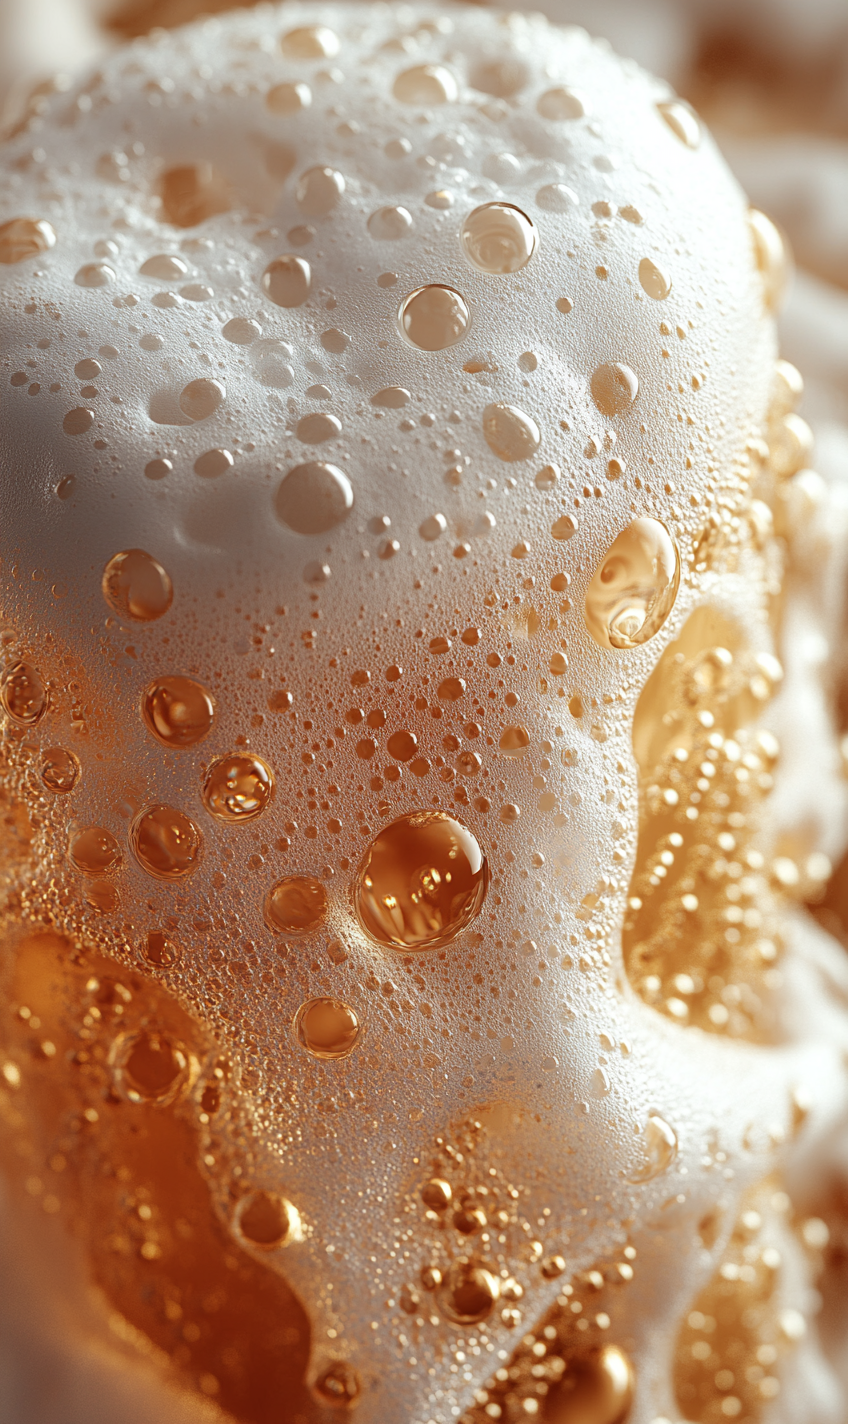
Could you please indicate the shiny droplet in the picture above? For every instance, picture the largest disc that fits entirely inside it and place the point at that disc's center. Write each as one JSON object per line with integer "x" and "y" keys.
{"x": 469, "y": 1292}
{"x": 318, "y": 192}
{"x": 149, "y": 1067}
{"x": 634, "y": 587}
{"x": 94, "y": 851}
{"x": 213, "y": 463}
{"x": 160, "y": 950}
{"x": 315, "y": 428}
{"x": 238, "y": 787}
{"x": 158, "y": 469}
{"x": 390, "y": 224}
{"x": 201, "y": 398}
{"x": 288, "y": 98}
{"x": 498, "y": 238}
{"x": 682, "y": 121}
{"x": 659, "y": 1147}
{"x": 60, "y": 771}
{"x": 338, "y": 1385}
{"x": 509, "y": 433}
{"x": 514, "y": 741}
{"x": 326, "y": 1028}
{"x": 422, "y": 881}
{"x": 614, "y": 388}
{"x": 402, "y": 745}
{"x": 266, "y": 1220}
{"x": 286, "y": 280}
{"x": 166, "y": 843}
{"x": 560, "y": 104}
{"x": 193, "y": 193}
{"x": 25, "y": 237}
{"x": 296, "y": 905}
{"x": 95, "y": 274}
{"x": 164, "y": 266}
{"x": 178, "y": 711}
{"x": 557, "y": 198}
{"x": 426, "y": 85}
{"x": 310, "y": 42}
{"x": 23, "y": 695}
{"x": 654, "y": 280}
{"x": 313, "y": 498}
{"x": 596, "y": 1388}
{"x": 434, "y": 317}
{"x": 241, "y": 331}
{"x": 774, "y": 262}
{"x": 136, "y": 586}
{"x": 78, "y": 421}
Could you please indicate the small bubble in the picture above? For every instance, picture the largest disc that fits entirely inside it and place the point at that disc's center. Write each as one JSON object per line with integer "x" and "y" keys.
{"x": 178, "y": 711}
{"x": 392, "y": 397}
{"x": 25, "y": 237}
{"x": 390, "y": 224}
{"x": 772, "y": 258}
{"x": 160, "y": 950}
{"x": 614, "y": 388}
{"x": 136, "y": 586}
{"x": 149, "y": 1067}
{"x": 313, "y": 498}
{"x": 660, "y": 1149}
{"x": 151, "y": 341}
{"x": 60, "y": 770}
{"x": 318, "y": 192}
{"x": 269, "y": 362}
{"x": 66, "y": 487}
{"x": 296, "y": 905}
{"x": 238, "y": 787}
{"x": 514, "y": 741}
{"x": 402, "y": 745}
{"x": 317, "y": 427}
{"x": 94, "y": 851}
{"x": 78, "y": 421}
{"x": 287, "y": 280}
{"x": 557, "y": 198}
{"x": 310, "y": 42}
{"x": 422, "y": 881}
{"x": 266, "y": 1220}
{"x": 213, "y": 463}
{"x": 560, "y": 104}
{"x": 597, "y": 1387}
{"x": 339, "y": 1385}
{"x": 241, "y": 330}
{"x": 87, "y": 370}
{"x": 327, "y": 1028}
{"x": 565, "y": 527}
{"x": 164, "y": 267}
{"x": 682, "y": 121}
{"x": 469, "y": 1292}
{"x": 654, "y": 280}
{"x": 201, "y": 398}
{"x": 426, "y": 85}
{"x": 509, "y": 433}
{"x": 434, "y": 317}
{"x": 23, "y": 695}
{"x": 547, "y": 477}
{"x": 498, "y": 238}
{"x": 335, "y": 341}
{"x": 634, "y": 588}
{"x": 288, "y": 98}
{"x": 158, "y": 469}
{"x": 95, "y": 274}
{"x": 441, "y": 199}
{"x": 166, "y": 843}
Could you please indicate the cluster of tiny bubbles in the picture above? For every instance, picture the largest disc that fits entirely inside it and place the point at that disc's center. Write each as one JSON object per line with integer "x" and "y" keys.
{"x": 633, "y": 589}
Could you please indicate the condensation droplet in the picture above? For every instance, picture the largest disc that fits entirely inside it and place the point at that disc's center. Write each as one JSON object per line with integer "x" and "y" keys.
{"x": 310, "y": 42}
{"x": 318, "y": 192}
{"x": 60, "y": 770}
{"x": 315, "y": 428}
{"x": 434, "y": 318}
{"x": 164, "y": 267}
{"x": 390, "y": 224}
{"x": 241, "y": 331}
{"x": 772, "y": 258}
{"x": 296, "y": 905}
{"x": 288, "y": 98}
{"x": 266, "y": 1220}
{"x": 92, "y": 850}
{"x": 166, "y": 843}
{"x": 425, "y": 85}
{"x": 422, "y": 881}
{"x": 23, "y": 695}
{"x": 560, "y": 104}
{"x": 557, "y": 198}
{"x": 498, "y": 238}
{"x": 95, "y": 274}
{"x": 313, "y": 498}
{"x": 287, "y": 280}
{"x": 178, "y": 711}
{"x": 238, "y": 787}
{"x": 25, "y": 237}
{"x": 654, "y": 280}
{"x": 78, "y": 421}
{"x": 614, "y": 388}
{"x": 149, "y": 1067}
{"x": 682, "y": 121}
{"x": 327, "y": 1028}
{"x": 136, "y": 586}
{"x": 213, "y": 463}
{"x": 514, "y": 741}
{"x": 634, "y": 587}
{"x": 201, "y": 398}
{"x": 509, "y": 433}
{"x": 469, "y": 1292}
{"x": 660, "y": 1148}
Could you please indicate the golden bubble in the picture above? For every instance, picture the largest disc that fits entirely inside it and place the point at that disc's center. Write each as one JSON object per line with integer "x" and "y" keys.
{"x": 402, "y": 745}
{"x": 102, "y": 896}
{"x": 660, "y": 1149}
{"x": 654, "y": 280}
{"x": 201, "y": 398}
{"x": 390, "y": 224}
{"x": 683, "y": 121}
{"x": 192, "y": 193}
{"x": 338, "y": 1385}
{"x": 564, "y": 528}
{"x": 136, "y": 586}
{"x": 238, "y": 787}
{"x": 437, "y": 1194}
{"x": 160, "y": 950}
{"x": 288, "y": 98}
{"x": 267, "y": 1220}
{"x": 634, "y": 587}
{"x": 313, "y": 498}
{"x": 614, "y": 388}
{"x": 310, "y": 42}
{"x": 25, "y": 237}
{"x": 514, "y": 741}
{"x": 149, "y": 1067}
{"x": 296, "y": 905}
{"x": 498, "y": 238}
{"x": 434, "y": 317}
{"x": 60, "y": 771}
{"x": 319, "y": 190}
{"x": 596, "y": 1388}
{"x": 166, "y": 843}
{"x": 178, "y": 711}
{"x": 772, "y": 256}
{"x": 425, "y": 85}
{"x": 510, "y": 433}
{"x": 287, "y": 280}
{"x": 94, "y": 851}
{"x": 23, "y": 695}
{"x": 422, "y": 881}
{"x": 469, "y": 1292}
{"x": 327, "y": 1028}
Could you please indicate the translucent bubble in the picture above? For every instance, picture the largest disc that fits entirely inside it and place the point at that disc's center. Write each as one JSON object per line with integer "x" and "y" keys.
{"x": 500, "y": 77}
{"x": 597, "y": 1388}
{"x": 422, "y": 881}
{"x": 136, "y": 586}
{"x": 392, "y": 397}
{"x": 269, "y": 361}
{"x": 296, "y": 905}
{"x": 547, "y": 477}
{"x": 238, "y": 787}
{"x": 25, "y": 237}
{"x": 318, "y": 192}
{"x": 327, "y": 1028}
{"x": 434, "y": 317}
{"x": 95, "y": 274}
{"x": 178, "y": 711}
{"x": 266, "y": 1220}
{"x": 469, "y": 1292}
{"x": 23, "y": 695}
{"x": 166, "y": 843}
{"x": 310, "y": 42}
{"x": 164, "y": 266}
{"x": 510, "y": 433}
{"x": 315, "y": 428}
{"x": 634, "y": 587}
{"x": 682, "y": 121}
{"x": 92, "y": 850}
{"x": 288, "y": 98}
{"x": 402, "y": 745}
{"x": 192, "y": 193}
{"x": 498, "y": 237}
{"x": 60, "y": 771}
{"x": 201, "y": 398}
{"x": 313, "y": 498}
{"x": 241, "y": 330}
{"x": 560, "y": 104}
{"x": 426, "y": 85}
{"x": 287, "y": 280}
{"x": 614, "y": 388}
{"x": 654, "y": 280}
{"x": 390, "y": 224}
{"x": 772, "y": 257}
{"x": 149, "y": 1067}
{"x": 660, "y": 1148}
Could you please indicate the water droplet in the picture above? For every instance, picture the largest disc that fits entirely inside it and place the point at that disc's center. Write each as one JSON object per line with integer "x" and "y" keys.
{"x": 288, "y": 98}
{"x": 425, "y": 85}
{"x": 682, "y": 121}
{"x": 339, "y": 1384}
{"x": 772, "y": 258}
{"x": 166, "y": 843}
{"x": 565, "y": 527}
{"x": 310, "y": 42}
{"x": 614, "y": 388}
{"x": 434, "y": 317}
{"x": 60, "y": 770}
{"x": 433, "y": 527}
{"x": 238, "y": 787}
{"x": 93, "y": 851}
{"x": 25, "y": 237}
{"x": 557, "y": 198}
{"x": 178, "y": 711}
{"x": 390, "y": 224}
{"x": 160, "y": 950}
{"x": 149, "y": 1067}
{"x": 201, "y": 398}
{"x": 266, "y": 1220}
{"x": 660, "y": 1149}
{"x": 469, "y": 1292}
{"x": 634, "y": 587}
{"x": 136, "y": 586}
{"x": 597, "y": 1388}
{"x": 547, "y": 477}
{"x": 241, "y": 330}
{"x": 509, "y": 433}
{"x": 66, "y": 486}
{"x": 514, "y": 741}
{"x": 422, "y": 881}
{"x": 158, "y": 469}
{"x": 87, "y": 370}
{"x": 164, "y": 267}
{"x": 287, "y": 280}
{"x": 269, "y": 361}
{"x": 437, "y": 1194}
{"x": 318, "y": 192}
{"x": 296, "y": 905}
{"x": 213, "y": 463}
{"x": 327, "y": 1028}
{"x": 498, "y": 238}
{"x": 560, "y": 104}
{"x": 317, "y": 427}
{"x": 402, "y": 745}
{"x": 313, "y": 498}
{"x": 392, "y": 397}
{"x": 95, "y": 274}
{"x": 78, "y": 421}
{"x": 193, "y": 193}
{"x": 23, "y": 695}
{"x": 654, "y": 280}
